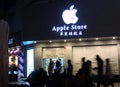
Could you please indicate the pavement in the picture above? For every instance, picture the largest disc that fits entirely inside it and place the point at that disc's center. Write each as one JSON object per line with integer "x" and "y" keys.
{"x": 116, "y": 84}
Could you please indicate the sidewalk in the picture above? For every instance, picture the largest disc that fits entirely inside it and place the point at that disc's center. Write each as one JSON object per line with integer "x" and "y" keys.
{"x": 116, "y": 84}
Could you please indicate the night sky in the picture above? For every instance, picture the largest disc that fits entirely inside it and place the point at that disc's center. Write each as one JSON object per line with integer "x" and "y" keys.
{"x": 35, "y": 19}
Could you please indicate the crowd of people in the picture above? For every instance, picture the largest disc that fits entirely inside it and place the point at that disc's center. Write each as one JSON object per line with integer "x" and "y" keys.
{"x": 83, "y": 78}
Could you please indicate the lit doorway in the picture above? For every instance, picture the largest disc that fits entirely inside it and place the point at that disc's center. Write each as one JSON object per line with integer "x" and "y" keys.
{"x": 46, "y": 62}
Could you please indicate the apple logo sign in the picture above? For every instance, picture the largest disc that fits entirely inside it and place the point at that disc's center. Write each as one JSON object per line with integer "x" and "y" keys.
{"x": 69, "y": 15}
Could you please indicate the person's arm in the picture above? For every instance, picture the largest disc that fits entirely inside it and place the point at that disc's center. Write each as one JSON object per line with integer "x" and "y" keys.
{"x": 95, "y": 68}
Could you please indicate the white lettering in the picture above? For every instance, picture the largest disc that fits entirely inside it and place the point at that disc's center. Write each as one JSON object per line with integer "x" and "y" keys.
{"x": 65, "y": 33}
{"x": 61, "y": 33}
{"x": 85, "y": 26}
{"x": 70, "y": 33}
{"x": 69, "y": 30}
{"x": 80, "y": 33}
{"x": 62, "y": 28}
{"x": 53, "y": 29}
{"x": 82, "y": 27}
{"x": 59, "y": 29}
{"x": 75, "y": 33}
{"x": 78, "y": 27}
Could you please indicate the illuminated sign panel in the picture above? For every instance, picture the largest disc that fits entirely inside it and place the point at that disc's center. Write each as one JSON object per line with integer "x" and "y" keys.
{"x": 68, "y": 20}
{"x": 70, "y": 28}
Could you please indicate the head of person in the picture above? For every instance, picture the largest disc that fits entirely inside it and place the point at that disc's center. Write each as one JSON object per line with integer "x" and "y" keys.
{"x": 97, "y": 57}
{"x": 107, "y": 60}
{"x": 83, "y": 59}
{"x": 69, "y": 61}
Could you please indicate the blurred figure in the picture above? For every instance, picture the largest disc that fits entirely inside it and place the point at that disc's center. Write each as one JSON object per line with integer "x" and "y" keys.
{"x": 38, "y": 78}
{"x": 89, "y": 64}
{"x": 69, "y": 77}
{"x": 83, "y": 61}
{"x": 99, "y": 69}
{"x": 51, "y": 67}
{"x": 56, "y": 79}
{"x": 69, "y": 68}
{"x": 108, "y": 74}
{"x": 108, "y": 71}
{"x": 82, "y": 78}
{"x": 58, "y": 65}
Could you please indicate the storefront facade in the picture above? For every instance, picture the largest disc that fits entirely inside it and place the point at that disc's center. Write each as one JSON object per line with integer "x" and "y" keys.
{"x": 72, "y": 30}
{"x": 75, "y": 50}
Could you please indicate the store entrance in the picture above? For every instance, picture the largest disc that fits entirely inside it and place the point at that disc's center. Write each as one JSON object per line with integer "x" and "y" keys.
{"x": 46, "y": 62}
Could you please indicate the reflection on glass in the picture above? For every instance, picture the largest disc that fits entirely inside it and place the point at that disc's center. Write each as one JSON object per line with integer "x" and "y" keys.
{"x": 46, "y": 62}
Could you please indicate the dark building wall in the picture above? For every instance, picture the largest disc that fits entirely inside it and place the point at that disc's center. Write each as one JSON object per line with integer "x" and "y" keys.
{"x": 10, "y": 11}
{"x": 1, "y": 9}
{"x": 102, "y": 16}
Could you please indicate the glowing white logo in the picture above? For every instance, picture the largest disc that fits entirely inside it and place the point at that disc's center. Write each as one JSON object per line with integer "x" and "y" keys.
{"x": 70, "y": 28}
{"x": 69, "y": 16}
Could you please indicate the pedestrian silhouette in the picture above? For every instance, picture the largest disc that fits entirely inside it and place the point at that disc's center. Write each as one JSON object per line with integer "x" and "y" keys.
{"x": 58, "y": 65}
{"x": 83, "y": 61}
{"x": 51, "y": 67}
{"x": 69, "y": 68}
{"x": 56, "y": 79}
{"x": 38, "y": 78}
{"x": 99, "y": 69}
{"x": 108, "y": 74}
{"x": 82, "y": 77}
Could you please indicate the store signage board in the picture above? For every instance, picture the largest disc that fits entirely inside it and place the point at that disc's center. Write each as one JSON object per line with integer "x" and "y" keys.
{"x": 70, "y": 28}
{"x": 69, "y": 20}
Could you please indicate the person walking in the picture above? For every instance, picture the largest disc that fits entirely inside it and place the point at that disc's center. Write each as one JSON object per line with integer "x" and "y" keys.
{"x": 108, "y": 74}
{"x": 99, "y": 69}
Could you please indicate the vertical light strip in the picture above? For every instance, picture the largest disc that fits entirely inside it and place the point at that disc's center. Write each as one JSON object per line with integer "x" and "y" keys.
{"x": 30, "y": 61}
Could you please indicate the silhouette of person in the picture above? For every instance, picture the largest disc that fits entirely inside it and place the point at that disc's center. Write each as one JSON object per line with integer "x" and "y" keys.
{"x": 108, "y": 74}
{"x": 83, "y": 61}
{"x": 89, "y": 63}
{"x": 82, "y": 78}
{"x": 69, "y": 68}
{"x": 108, "y": 68}
{"x": 99, "y": 69}
{"x": 51, "y": 67}
{"x": 56, "y": 79}
{"x": 58, "y": 65}
{"x": 38, "y": 78}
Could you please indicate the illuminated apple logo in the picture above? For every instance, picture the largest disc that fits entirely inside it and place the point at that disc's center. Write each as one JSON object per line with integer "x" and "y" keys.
{"x": 69, "y": 15}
